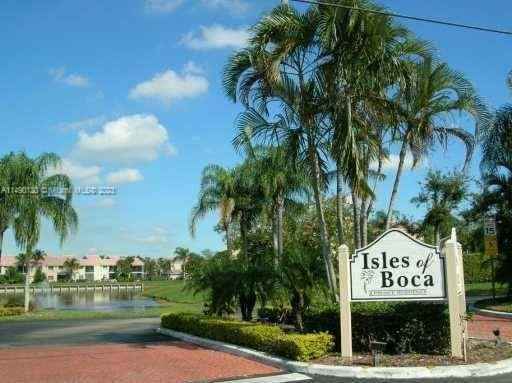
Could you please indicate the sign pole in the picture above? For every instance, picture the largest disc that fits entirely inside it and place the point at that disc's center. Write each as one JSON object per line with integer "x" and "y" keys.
{"x": 452, "y": 281}
{"x": 493, "y": 276}
{"x": 345, "y": 314}
{"x": 491, "y": 249}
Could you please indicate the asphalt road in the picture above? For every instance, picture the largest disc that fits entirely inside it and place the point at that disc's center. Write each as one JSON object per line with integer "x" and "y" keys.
{"x": 84, "y": 332}
{"x": 79, "y": 332}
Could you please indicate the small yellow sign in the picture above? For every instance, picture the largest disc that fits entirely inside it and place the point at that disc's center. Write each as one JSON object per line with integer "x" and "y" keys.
{"x": 491, "y": 246}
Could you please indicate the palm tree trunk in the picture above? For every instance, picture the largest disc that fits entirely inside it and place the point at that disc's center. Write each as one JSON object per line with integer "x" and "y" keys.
{"x": 403, "y": 152}
{"x": 322, "y": 225}
{"x": 2, "y": 231}
{"x": 280, "y": 226}
{"x": 275, "y": 235}
{"x": 243, "y": 235}
{"x": 228, "y": 241}
{"x": 27, "y": 287}
{"x": 356, "y": 220}
{"x": 339, "y": 204}
{"x": 437, "y": 232}
{"x": 363, "y": 219}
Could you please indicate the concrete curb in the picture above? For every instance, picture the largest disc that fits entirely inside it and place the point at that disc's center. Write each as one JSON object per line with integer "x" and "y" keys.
{"x": 464, "y": 371}
{"x": 489, "y": 313}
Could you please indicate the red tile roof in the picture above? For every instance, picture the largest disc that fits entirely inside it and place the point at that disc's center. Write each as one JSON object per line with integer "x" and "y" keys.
{"x": 7, "y": 260}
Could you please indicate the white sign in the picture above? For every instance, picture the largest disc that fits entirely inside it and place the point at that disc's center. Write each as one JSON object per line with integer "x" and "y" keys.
{"x": 489, "y": 227}
{"x": 397, "y": 266}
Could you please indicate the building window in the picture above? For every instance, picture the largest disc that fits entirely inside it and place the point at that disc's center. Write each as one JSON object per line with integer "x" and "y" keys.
{"x": 89, "y": 269}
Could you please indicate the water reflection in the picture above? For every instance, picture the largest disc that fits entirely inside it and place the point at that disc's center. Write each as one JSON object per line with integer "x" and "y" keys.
{"x": 86, "y": 300}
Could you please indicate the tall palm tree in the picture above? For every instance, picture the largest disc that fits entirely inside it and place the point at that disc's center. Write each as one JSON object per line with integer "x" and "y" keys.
{"x": 426, "y": 107}
{"x": 365, "y": 53}
{"x": 71, "y": 265}
{"x": 164, "y": 266}
{"x": 216, "y": 194}
{"x": 26, "y": 261}
{"x": 45, "y": 203}
{"x": 283, "y": 181}
{"x": 11, "y": 173}
{"x": 278, "y": 68}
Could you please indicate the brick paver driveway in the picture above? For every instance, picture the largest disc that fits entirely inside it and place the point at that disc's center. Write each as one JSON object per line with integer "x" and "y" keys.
{"x": 169, "y": 362}
{"x": 482, "y": 327}
{"x": 121, "y": 351}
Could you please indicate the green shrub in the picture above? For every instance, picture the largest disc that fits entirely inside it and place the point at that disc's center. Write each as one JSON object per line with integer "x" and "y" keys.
{"x": 476, "y": 269}
{"x": 276, "y": 314}
{"x": 265, "y": 338}
{"x": 11, "y": 311}
{"x": 405, "y": 327}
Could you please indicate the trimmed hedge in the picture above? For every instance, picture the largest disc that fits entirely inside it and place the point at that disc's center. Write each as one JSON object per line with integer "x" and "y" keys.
{"x": 405, "y": 327}
{"x": 11, "y": 311}
{"x": 265, "y": 338}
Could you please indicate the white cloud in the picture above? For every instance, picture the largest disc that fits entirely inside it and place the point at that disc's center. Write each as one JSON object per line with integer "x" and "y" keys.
{"x": 162, "y": 6}
{"x": 124, "y": 176}
{"x": 137, "y": 137}
{"x": 105, "y": 202}
{"x": 82, "y": 124}
{"x": 216, "y": 37}
{"x": 170, "y": 86}
{"x": 193, "y": 68}
{"x": 236, "y": 7}
{"x": 158, "y": 236}
{"x": 72, "y": 79}
{"x": 85, "y": 175}
{"x": 391, "y": 164}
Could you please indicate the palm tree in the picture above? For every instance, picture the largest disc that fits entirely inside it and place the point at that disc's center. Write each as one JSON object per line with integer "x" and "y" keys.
{"x": 441, "y": 194}
{"x": 282, "y": 180}
{"x": 26, "y": 261}
{"x": 164, "y": 266}
{"x": 277, "y": 69}
{"x": 181, "y": 253}
{"x": 10, "y": 176}
{"x": 43, "y": 201}
{"x": 366, "y": 53}
{"x": 425, "y": 108}
{"x": 124, "y": 269}
{"x": 216, "y": 194}
{"x": 71, "y": 265}
{"x": 283, "y": 183}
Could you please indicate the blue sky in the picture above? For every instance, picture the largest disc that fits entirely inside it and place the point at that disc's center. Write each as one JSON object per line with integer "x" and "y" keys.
{"x": 128, "y": 93}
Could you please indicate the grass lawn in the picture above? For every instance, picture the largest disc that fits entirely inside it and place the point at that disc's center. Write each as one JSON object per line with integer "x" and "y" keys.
{"x": 484, "y": 288}
{"x": 501, "y": 304}
{"x": 171, "y": 291}
{"x": 169, "y": 294}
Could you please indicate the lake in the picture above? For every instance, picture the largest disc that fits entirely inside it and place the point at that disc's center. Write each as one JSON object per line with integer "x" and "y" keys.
{"x": 88, "y": 301}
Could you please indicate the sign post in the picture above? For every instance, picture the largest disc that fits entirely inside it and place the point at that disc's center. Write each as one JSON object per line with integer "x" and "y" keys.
{"x": 491, "y": 248}
{"x": 345, "y": 315}
{"x": 398, "y": 267}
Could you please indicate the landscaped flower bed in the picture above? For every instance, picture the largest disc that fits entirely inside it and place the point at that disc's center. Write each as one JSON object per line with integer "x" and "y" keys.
{"x": 479, "y": 351}
{"x": 267, "y": 338}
